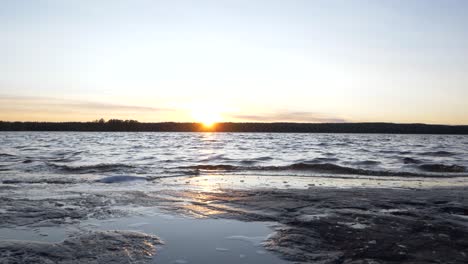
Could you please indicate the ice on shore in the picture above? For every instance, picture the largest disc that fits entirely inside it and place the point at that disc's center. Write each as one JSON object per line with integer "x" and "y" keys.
{"x": 96, "y": 247}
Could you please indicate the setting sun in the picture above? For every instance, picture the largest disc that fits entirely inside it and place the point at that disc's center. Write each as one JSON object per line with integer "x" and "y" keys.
{"x": 208, "y": 117}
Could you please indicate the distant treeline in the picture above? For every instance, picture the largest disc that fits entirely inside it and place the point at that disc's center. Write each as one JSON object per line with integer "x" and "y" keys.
{"x": 132, "y": 125}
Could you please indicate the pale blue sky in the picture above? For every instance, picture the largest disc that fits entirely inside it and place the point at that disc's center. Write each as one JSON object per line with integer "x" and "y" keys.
{"x": 397, "y": 61}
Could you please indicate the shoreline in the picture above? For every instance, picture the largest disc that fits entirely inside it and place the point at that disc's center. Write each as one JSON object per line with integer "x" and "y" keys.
{"x": 314, "y": 223}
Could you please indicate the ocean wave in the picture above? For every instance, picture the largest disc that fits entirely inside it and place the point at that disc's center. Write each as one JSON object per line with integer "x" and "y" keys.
{"x": 327, "y": 168}
{"x": 321, "y": 160}
{"x": 215, "y": 157}
{"x": 294, "y": 166}
{"x": 400, "y": 152}
{"x": 221, "y": 167}
{"x": 408, "y": 160}
{"x": 442, "y": 168}
{"x": 264, "y": 158}
{"x": 39, "y": 181}
{"x": 256, "y": 160}
{"x": 440, "y": 153}
{"x": 95, "y": 168}
{"x": 69, "y": 159}
{"x": 8, "y": 157}
{"x": 367, "y": 162}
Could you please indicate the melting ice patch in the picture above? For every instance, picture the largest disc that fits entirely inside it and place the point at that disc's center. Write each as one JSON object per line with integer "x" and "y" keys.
{"x": 117, "y": 179}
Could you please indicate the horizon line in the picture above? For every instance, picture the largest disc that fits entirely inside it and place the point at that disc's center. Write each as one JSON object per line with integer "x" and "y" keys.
{"x": 237, "y": 122}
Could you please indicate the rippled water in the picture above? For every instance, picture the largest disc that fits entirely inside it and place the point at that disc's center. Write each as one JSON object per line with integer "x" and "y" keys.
{"x": 68, "y": 156}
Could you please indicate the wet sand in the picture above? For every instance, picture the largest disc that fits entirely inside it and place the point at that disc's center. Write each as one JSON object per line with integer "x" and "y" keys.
{"x": 311, "y": 220}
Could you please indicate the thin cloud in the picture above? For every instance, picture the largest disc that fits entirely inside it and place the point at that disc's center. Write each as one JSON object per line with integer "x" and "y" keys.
{"x": 28, "y": 102}
{"x": 30, "y": 108}
{"x": 288, "y": 116}
{"x": 105, "y": 106}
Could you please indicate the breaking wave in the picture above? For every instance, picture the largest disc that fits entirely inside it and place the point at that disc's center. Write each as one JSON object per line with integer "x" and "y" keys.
{"x": 440, "y": 153}
{"x": 442, "y": 168}
{"x": 330, "y": 168}
{"x": 95, "y": 168}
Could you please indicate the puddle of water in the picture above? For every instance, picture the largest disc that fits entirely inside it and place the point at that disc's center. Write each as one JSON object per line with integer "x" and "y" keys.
{"x": 200, "y": 241}
{"x": 187, "y": 240}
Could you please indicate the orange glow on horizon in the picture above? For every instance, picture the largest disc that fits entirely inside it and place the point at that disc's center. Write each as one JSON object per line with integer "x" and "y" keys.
{"x": 208, "y": 125}
{"x": 207, "y": 115}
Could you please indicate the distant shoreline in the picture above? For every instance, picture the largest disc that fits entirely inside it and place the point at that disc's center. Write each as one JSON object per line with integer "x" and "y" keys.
{"x": 281, "y": 127}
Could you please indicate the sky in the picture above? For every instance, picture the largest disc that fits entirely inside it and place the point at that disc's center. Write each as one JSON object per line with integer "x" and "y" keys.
{"x": 402, "y": 61}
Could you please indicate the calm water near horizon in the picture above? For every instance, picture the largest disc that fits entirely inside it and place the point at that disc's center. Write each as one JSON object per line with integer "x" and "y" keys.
{"x": 26, "y": 155}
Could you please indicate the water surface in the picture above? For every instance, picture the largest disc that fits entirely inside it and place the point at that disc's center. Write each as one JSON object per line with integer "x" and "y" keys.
{"x": 67, "y": 156}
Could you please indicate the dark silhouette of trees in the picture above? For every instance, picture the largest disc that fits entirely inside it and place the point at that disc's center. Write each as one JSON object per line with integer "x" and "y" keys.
{"x": 133, "y": 125}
